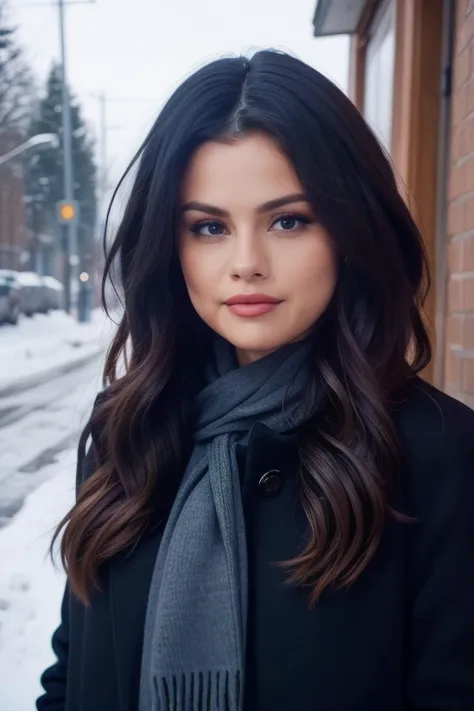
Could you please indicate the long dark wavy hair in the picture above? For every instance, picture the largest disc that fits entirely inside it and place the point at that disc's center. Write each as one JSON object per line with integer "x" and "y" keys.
{"x": 371, "y": 339}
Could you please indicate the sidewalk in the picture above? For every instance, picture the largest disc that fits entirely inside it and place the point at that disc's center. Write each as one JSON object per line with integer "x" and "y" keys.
{"x": 42, "y": 346}
{"x": 31, "y": 588}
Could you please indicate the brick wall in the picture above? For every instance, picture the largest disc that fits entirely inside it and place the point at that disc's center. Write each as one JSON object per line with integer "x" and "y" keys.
{"x": 12, "y": 219}
{"x": 12, "y": 210}
{"x": 459, "y": 361}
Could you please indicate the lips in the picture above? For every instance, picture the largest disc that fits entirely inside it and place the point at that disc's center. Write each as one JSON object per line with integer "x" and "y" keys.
{"x": 248, "y": 305}
{"x": 252, "y": 299}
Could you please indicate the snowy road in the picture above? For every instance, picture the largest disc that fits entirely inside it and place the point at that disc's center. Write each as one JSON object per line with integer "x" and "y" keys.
{"x": 31, "y": 349}
{"x": 35, "y": 427}
{"x": 38, "y": 435}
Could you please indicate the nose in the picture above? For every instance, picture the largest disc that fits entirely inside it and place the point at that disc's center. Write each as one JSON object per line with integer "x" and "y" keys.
{"x": 249, "y": 261}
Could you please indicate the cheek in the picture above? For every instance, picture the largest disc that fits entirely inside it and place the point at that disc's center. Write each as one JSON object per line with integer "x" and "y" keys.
{"x": 313, "y": 273}
{"x": 198, "y": 270}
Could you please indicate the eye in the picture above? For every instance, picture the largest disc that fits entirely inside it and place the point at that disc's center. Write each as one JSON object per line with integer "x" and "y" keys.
{"x": 208, "y": 228}
{"x": 290, "y": 222}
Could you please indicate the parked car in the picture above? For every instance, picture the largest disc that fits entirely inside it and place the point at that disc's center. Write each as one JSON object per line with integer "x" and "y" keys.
{"x": 54, "y": 292}
{"x": 9, "y": 301}
{"x": 11, "y": 276}
{"x": 33, "y": 294}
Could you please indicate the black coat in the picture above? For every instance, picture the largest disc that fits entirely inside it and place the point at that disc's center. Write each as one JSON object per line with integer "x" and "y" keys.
{"x": 401, "y": 638}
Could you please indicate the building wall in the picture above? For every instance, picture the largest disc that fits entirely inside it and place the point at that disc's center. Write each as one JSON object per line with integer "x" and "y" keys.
{"x": 459, "y": 361}
{"x": 416, "y": 105}
{"x": 12, "y": 220}
{"x": 12, "y": 212}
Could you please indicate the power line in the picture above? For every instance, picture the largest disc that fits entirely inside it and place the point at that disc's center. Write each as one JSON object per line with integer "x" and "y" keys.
{"x": 53, "y": 3}
{"x": 104, "y": 100}
{"x": 129, "y": 100}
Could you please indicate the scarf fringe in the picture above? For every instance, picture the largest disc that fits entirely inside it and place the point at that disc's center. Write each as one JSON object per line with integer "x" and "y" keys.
{"x": 200, "y": 691}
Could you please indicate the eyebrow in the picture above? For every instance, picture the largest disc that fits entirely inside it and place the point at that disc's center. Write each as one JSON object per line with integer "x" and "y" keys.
{"x": 265, "y": 207}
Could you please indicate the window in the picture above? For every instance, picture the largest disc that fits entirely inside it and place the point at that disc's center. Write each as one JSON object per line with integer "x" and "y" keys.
{"x": 379, "y": 71}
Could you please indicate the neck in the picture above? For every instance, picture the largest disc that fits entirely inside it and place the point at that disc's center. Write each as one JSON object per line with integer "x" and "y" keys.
{"x": 246, "y": 357}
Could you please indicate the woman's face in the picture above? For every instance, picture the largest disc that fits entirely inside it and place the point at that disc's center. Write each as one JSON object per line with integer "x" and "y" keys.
{"x": 258, "y": 267}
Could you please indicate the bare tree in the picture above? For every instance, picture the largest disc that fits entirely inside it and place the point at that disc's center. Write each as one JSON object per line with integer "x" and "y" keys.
{"x": 16, "y": 81}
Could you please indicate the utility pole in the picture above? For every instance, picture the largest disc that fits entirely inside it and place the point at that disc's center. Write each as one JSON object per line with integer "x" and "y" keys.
{"x": 69, "y": 229}
{"x": 104, "y": 100}
{"x": 67, "y": 208}
{"x": 86, "y": 282}
{"x": 69, "y": 226}
{"x": 103, "y": 147}
{"x": 104, "y": 128}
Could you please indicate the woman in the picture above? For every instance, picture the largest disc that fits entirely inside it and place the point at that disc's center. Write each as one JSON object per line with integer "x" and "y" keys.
{"x": 275, "y": 512}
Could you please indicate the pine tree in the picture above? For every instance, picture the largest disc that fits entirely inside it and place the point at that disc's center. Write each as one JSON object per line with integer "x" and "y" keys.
{"x": 16, "y": 100}
{"x": 16, "y": 84}
{"x": 45, "y": 170}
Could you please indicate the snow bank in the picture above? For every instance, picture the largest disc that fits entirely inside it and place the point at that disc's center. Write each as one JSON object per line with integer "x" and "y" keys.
{"x": 31, "y": 588}
{"x": 37, "y": 345}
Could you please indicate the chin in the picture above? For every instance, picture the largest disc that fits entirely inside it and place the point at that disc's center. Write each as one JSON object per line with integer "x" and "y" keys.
{"x": 258, "y": 343}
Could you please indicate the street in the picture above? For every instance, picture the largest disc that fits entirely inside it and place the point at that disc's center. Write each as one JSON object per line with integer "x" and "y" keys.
{"x": 35, "y": 427}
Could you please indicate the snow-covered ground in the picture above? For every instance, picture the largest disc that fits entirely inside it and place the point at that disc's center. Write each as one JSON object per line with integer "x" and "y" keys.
{"x": 40, "y": 343}
{"x": 39, "y": 428}
{"x": 31, "y": 588}
{"x": 36, "y": 426}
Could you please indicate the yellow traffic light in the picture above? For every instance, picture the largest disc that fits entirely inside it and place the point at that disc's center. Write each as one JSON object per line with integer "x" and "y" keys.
{"x": 67, "y": 212}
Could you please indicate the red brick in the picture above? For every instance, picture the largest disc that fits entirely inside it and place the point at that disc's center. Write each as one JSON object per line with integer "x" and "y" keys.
{"x": 471, "y": 59}
{"x": 469, "y": 176}
{"x": 462, "y": 38}
{"x": 452, "y": 367}
{"x": 459, "y": 142}
{"x": 457, "y": 181}
{"x": 460, "y": 101}
{"x": 469, "y": 133}
{"x": 468, "y": 332}
{"x": 455, "y": 295}
{"x": 463, "y": 148}
{"x": 455, "y": 142}
{"x": 455, "y": 257}
{"x": 468, "y": 17}
{"x": 461, "y": 12}
{"x": 468, "y": 215}
{"x": 457, "y": 217}
{"x": 454, "y": 330}
{"x": 467, "y": 370}
{"x": 468, "y": 254}
{"x": 468, "y": 294}
{"x": 467, "y": 399}
{"x": 461, "y": 68}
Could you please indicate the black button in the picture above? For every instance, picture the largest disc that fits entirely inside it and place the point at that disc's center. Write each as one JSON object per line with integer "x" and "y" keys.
{"x": 270, "y": 483}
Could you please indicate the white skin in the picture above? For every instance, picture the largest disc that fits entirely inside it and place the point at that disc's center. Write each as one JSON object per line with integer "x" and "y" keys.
{"x": 233, "y": 242}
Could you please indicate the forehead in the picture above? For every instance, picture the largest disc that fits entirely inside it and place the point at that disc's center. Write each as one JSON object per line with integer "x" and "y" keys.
{"x": 245, "y": 171}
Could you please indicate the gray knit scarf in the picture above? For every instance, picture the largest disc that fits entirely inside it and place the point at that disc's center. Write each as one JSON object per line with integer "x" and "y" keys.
{"x": 195, "y": 629}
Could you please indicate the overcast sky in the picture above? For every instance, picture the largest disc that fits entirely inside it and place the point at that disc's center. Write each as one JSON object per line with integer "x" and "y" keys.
{"x": 139, "y": 50}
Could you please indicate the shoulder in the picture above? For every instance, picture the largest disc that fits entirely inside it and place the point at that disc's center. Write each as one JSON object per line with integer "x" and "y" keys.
{"x": 426, "y": 416}
{"x": 436, "y": 440}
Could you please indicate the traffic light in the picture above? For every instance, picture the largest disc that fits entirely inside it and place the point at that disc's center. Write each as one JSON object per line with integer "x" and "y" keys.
{"x": 67, "y": 212}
